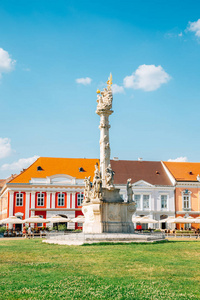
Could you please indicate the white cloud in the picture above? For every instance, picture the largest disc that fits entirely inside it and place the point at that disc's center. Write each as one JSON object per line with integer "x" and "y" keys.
{"x": 194, "y": 27}
{"x": 6, "y": 63}
{"x": 84, "y": 81}
{"x": 20, "y": 164}
{"x": 180, "y": 34}
{"x": 5, "y": 147}
{"x": 147, "y": 78}
{"x": 117, "y": 89}
{"x": 179, "y": 159}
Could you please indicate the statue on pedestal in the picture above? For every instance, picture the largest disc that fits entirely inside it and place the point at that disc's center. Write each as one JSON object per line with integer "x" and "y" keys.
{"x": 129, "y": 191}
{"x": 97, "y": 183}
{"x": 109, "y": 177}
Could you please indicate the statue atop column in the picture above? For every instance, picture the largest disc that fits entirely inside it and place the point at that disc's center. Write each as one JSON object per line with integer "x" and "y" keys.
{"x": 105, "y": 98}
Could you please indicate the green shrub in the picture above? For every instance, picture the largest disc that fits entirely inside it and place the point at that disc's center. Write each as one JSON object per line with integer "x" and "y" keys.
{"x": 2, "y": 229}
{"x": 62, "y": 227}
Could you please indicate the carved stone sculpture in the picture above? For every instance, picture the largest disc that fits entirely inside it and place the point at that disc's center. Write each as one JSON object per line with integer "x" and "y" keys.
{"x": 104, "y": 110}
{"x": 97, "y": 184}
{"x": 129, "y": 190}
{"x": 109, "y": 177}
{"x": 104, "y": 100}
{"x": 87, "y": 190}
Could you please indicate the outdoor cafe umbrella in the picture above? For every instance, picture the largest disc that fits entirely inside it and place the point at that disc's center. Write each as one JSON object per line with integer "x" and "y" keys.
{"x": 166, "y": 220}
{"x": 79, "y": 219}
{"x": 12, "y": 220}
{"x": 181, "y": 220}
{"x": 136, "y": 219}
{"x": 197, "y": 220}
{"x": 190, "y": 220}
{"x": 35, "y": 219}
{"x": 146, "y": 219}
{"x": 58, "y": 219}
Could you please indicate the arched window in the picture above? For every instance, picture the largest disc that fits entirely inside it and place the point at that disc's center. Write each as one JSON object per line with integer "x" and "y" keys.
{"x": 61, "y": 199}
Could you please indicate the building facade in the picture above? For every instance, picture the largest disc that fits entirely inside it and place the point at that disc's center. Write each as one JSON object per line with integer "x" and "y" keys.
{"x": 56, "y": 186}
{"x": 153, "y": 191}
{"x": 185, "y": 177}
{"x": 48, "y": 187}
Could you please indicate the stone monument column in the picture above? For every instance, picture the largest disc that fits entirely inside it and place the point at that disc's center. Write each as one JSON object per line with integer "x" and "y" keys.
{"x": 104, "y": 110}
{"x": 103, "y": 207}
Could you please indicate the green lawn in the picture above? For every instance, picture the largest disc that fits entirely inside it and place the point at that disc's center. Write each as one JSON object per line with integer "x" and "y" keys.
{"x": 31, "y": 269}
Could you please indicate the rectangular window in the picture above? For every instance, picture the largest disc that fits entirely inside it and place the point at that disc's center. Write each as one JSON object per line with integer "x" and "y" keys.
{"x": 19, "y": 199}
{"x": 163, "y": 201}
{"x": 186, "y": 202}
{"x": 145, "y": 201}
{"x": 137, "y": 201}
{"x": 80, "y": 198}
{"x": 40, "y": 224}
{"x": 40, "y": 199}
{"x": 61, "y": 199}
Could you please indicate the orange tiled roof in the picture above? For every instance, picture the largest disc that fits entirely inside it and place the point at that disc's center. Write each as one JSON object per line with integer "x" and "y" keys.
{"x": 183, "y": 171}
{"x": 52, "y": 166}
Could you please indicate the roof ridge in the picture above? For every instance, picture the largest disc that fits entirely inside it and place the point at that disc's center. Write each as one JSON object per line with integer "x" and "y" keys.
{"x": 24, "y": 170}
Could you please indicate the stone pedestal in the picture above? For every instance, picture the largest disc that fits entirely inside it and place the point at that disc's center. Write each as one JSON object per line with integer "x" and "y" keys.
{"x": 109, "y": 215}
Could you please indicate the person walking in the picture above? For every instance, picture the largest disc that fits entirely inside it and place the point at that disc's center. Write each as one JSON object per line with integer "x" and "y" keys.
{"x": 29, "y": 232}
{"x": 24, "y": 231}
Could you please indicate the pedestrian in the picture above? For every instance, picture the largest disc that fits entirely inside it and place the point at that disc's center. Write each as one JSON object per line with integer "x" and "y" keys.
{"x": 29, "y": 232}
{"x": 24, "y": 231}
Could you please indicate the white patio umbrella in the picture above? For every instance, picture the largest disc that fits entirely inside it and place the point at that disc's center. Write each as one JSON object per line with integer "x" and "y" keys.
{"x": 181, "y": 220}
{"x": 190, "y": 220}
{"x": 197, "y": 220}
{"x": 136, "y": 219}
{"x": 166, "y": 220}
{"x": 146, "y": 219}
{"x": 35, "y": 219}
{"x": 79, "y": 219}
{"x": 58, "y": 219}
{"x": 12, "y": 220}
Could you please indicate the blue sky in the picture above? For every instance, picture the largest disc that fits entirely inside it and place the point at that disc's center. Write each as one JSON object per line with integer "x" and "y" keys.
{"x": 48, "y": 45}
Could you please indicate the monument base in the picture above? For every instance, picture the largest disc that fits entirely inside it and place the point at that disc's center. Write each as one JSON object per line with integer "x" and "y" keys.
{"x": 110, "y": 214}
{"x": 81, "y": 238}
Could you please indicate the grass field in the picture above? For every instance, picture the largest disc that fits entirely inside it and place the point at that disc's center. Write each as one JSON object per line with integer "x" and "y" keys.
{"x": 31, "y": 269}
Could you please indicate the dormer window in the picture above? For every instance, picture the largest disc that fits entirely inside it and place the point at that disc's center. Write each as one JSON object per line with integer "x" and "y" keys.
{"x": 81, "y": 169}
{"x": 39, "y": 168}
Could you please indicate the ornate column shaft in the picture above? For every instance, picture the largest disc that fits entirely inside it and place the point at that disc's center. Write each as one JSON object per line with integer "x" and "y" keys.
{"x": 104, "y": 110}
{"x": 104, "y": 142}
